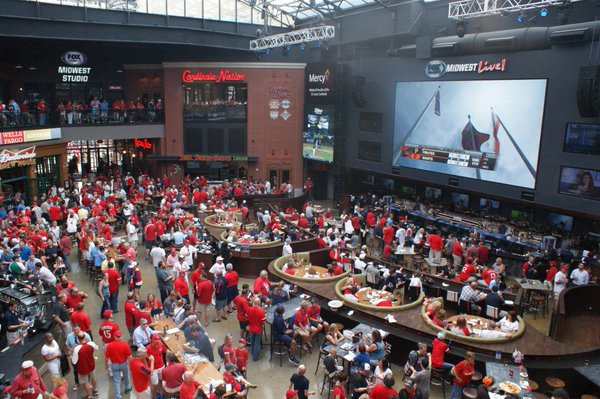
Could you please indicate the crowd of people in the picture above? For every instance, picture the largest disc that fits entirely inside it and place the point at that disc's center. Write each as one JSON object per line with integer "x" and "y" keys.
{"x": 38, "y": 241}
{"x": 98, "y": 110}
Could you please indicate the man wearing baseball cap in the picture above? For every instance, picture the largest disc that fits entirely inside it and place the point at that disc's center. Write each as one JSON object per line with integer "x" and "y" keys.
{"x": 156, "y": 349}
{"x": 28, "y": 384}
{"x": 142, "y": 367}
{"x": 108, "y": 328}
{"x": 291, "y": 394}
{"x": 218, "y": 266}
{"x": 118, "y": 353}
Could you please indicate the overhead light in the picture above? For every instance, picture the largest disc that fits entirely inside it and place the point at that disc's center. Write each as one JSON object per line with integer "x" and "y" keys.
{"x": 267, "y": 51}
{"x": 32, "y": 68}
{"x": 263, "y": 13}
{"x": 18, "y": 66}
{"x": 119, "y": 71}
{"x": 543, "y": 12}
{"x": 302, "y": 46}
{"x": 258, "y": 32}
{"x": 286, "y": 50}
{"x": 521, "y": 17}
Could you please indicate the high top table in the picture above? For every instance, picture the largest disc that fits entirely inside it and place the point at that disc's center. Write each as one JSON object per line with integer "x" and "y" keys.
{"x": 204, "y": 373}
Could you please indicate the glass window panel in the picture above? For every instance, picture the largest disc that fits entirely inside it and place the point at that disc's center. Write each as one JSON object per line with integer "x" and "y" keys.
{"x": 194, "y": 8}
{"x": 215, "y": 140}
{"x": 244, "y": 12}
{"x": 176, "y": 7}
{"x": 369, "y": 151}
{"x": 193, "y": 140}
{"x": 211, "y": 9}
{"x": 237, "y": 141}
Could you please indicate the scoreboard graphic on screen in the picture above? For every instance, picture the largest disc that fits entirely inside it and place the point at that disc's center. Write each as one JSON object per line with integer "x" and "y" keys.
{"x": 467, "y": 159}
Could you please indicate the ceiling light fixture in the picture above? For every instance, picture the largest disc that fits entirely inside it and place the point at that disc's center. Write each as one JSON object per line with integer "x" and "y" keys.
{"x": 543, "y": 12}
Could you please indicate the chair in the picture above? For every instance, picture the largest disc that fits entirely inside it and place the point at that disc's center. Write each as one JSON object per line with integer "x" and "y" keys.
{"x": 538, "y": 302}
{"x": 476, "y": 378}
{"x": 438, "y": 379}
{"x": 464, "y": 307}
{"x": 469, "y": 393}
{"x": 492, "y": 312}
{"x": 328, "y": 381}
{"x": 534, "y": 385}
{"x": 417, "y": 262}
{"x": 278, "y": 348}
{"x": 452, "y": 296}
{"x": 537, "y": 395}
{"x": 372, "y": 280}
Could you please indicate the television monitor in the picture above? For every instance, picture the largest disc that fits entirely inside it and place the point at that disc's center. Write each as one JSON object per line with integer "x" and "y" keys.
{"x": 387, "y": 183}
{"x": 520, "y": 215}
{"x": 582, "y": 138}
{"x": 488, "y": 205}
{"x": 485, "y": 129}
{"x": 318, "y": 133}
{"x": 433, "y": 194}
{"x": 560, "y": 222}
{"x": 409, "y": 190}
{"x": 582, "y": 183}
{"x": 460, "y": 200}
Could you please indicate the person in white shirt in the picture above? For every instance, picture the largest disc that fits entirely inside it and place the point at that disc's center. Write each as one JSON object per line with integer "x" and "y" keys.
{"x": 72, "y": 222}
{"x": 560, "y": 281}
{"x": 44, "y": 274}
{"x": 509, "y": 323}
{"x": 51, "y": 353}
{"x": 188, "y": 252}
{"x": 178, "y": 238}
{"x": 580, "y": 276}
{"x": 287, "y": 247}
{"x": 218, "y": 266}
{"x": 157, "y": 254}
{"x": 491, "y": 333}
{"x": 132, "y": 234}
{"x": 180, "y": 267}
{"x": 267, "y": 187}
{"x": 401, "y": 236}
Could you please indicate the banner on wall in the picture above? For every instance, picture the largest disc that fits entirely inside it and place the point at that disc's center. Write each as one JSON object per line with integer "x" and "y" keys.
{"x": 29, "y": 136}
{"x": 319, "y": 83}
{"x": 18, "y": 158}
{"x": 280, "y": 101}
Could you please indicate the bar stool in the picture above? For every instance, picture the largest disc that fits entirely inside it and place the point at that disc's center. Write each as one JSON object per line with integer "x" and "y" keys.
{"x": 417, "y": 262}
{"x": 438, "y": 379}
{"x": 555, "y": 383}
{"x": 537, "y": 395}
{"x": 469, "y": 392}
{"x": 328, "y": 381}
{"x": 476, "y": 378}
{"x": 534, "y": 385}
{"x": 538, "y": 302}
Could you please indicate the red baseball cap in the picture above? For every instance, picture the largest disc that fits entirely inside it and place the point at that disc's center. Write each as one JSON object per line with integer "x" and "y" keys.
{"x": 156, "y": 338}
{"x": 243, "y": 341}
{"x": 291, "y": 394}
{"x": 118, "y": 334}
{"x": 107, "y": 314}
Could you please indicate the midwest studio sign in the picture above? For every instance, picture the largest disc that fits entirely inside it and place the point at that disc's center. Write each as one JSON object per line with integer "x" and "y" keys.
{"x": 73, "y": 71}
{"x": 436, "y": 68}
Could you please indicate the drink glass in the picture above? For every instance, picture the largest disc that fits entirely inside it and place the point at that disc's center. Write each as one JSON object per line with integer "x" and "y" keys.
{"x": 511, "y": 372}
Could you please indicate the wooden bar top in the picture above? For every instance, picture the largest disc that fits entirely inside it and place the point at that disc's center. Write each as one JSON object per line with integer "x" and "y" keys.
{"x": 204, "y": 373}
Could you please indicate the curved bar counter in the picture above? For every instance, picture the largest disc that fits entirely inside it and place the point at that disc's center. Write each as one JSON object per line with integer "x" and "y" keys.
{"x": 306, "y": 256}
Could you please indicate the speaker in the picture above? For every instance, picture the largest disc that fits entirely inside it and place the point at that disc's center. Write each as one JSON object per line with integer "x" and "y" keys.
{"x": 356, "y": 91}
{"x": 588, "y": 91}
{"x": 527, "y": 196}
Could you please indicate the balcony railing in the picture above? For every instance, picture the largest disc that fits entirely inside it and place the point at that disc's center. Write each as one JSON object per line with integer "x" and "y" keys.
{"x": 10, "y": 120}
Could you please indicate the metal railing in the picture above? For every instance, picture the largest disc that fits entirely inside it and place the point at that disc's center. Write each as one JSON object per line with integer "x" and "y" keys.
{"x": 221, "y": 10}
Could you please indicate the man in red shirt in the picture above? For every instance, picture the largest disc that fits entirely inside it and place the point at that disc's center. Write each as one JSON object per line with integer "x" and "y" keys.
{"x": 27, "y": 384}
{"x": 458, "y": 251}
{"x": 462, "y": 373}
{"x": 488, "y": 275}
{"x": 141, "y": 369}
{"x": 483, "y": 254}
{"x": 156, "y": 349}
{"x": 114, "y": 279}
{"x": 242, "y": 356}
{"x": 302, "y": 326}
{"x": 150, "y": 235}
{"x": 74, "y": 298}
{"x": 83, "y": 356}
{"x": 262, "y": 286}
{"x": 181, "y": 286}
{"x": 438, "y": 352}
{"x": 130, "y": 311}
{"x": 205, "y": 290}
{"x": 436, "y": 243}
{"x": 172, "y": 375}
{"x": 80, "y": 317}
{"x": 256, "y": 320}
{"x": 242, "y": 306}
{"x": 108, "y": 328}
{"x": 314, "y": 316}
{"x": 232, "y": 278}
{"x": 467, "y": 272}
{"x": 118, "y": 353}
{"x": 386, "y": 390}
{"x": 190, "y": 386}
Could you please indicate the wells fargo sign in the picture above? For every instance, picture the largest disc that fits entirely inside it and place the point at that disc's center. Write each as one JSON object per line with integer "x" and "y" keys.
{"x": 28, "y": 136}
{"x": 13, "y": 159}
{"x": 223, "y": 76}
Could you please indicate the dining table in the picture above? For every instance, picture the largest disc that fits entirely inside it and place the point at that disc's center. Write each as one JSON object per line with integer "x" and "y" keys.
{"x": 204, "y": 372}
{"x": 508, "y": 376}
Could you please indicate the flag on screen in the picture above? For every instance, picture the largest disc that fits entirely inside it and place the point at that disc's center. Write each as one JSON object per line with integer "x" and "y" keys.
{"x": 436, "y": 110}
{"x": 495, "y": 128}
{"x": 472, "y": 139}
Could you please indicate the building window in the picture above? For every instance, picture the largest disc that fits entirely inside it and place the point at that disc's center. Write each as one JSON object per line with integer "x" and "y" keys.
{"x": 210, "y": 102}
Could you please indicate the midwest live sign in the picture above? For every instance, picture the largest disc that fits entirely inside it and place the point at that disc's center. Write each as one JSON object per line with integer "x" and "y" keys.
{"x": 437, "y": 68}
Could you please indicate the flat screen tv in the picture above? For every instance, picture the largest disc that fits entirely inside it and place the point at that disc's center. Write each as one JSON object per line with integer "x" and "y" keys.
{"x": 318, "y": 134}
{"x": 460, "y": 200}
{"x": 488, "y": 205}
{"x": 560, "y": 222}
{"x": 433, "y": 194}
{"x": 581, "y": 183}
{"x": 582, "y": 138}
{"x": 487, "y": 130}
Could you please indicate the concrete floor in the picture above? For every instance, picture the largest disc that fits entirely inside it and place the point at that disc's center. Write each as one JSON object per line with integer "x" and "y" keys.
{"x": 272, "y": 380}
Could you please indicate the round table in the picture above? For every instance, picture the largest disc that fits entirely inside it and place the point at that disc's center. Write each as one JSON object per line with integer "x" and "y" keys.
{"x": 313, "y": 271}
{"x": 369, "y": 296}
{"x": 555, "y": 383}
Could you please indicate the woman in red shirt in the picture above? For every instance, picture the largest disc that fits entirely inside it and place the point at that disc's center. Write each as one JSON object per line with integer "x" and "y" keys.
{"x": 339, "y": 390}
{"x": 153, "y": 305}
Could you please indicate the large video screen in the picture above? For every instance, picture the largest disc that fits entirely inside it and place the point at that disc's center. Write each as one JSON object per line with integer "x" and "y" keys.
{"x": 318, "y": 134}
{"x": 583, "y": 183}
{"x": 486, "y": 129}
{"x": 560, "y": 222}
{"x": 582, "y": 138}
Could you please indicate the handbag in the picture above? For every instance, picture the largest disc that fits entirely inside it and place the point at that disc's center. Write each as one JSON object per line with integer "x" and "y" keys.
{"x": 65, "y": 367}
